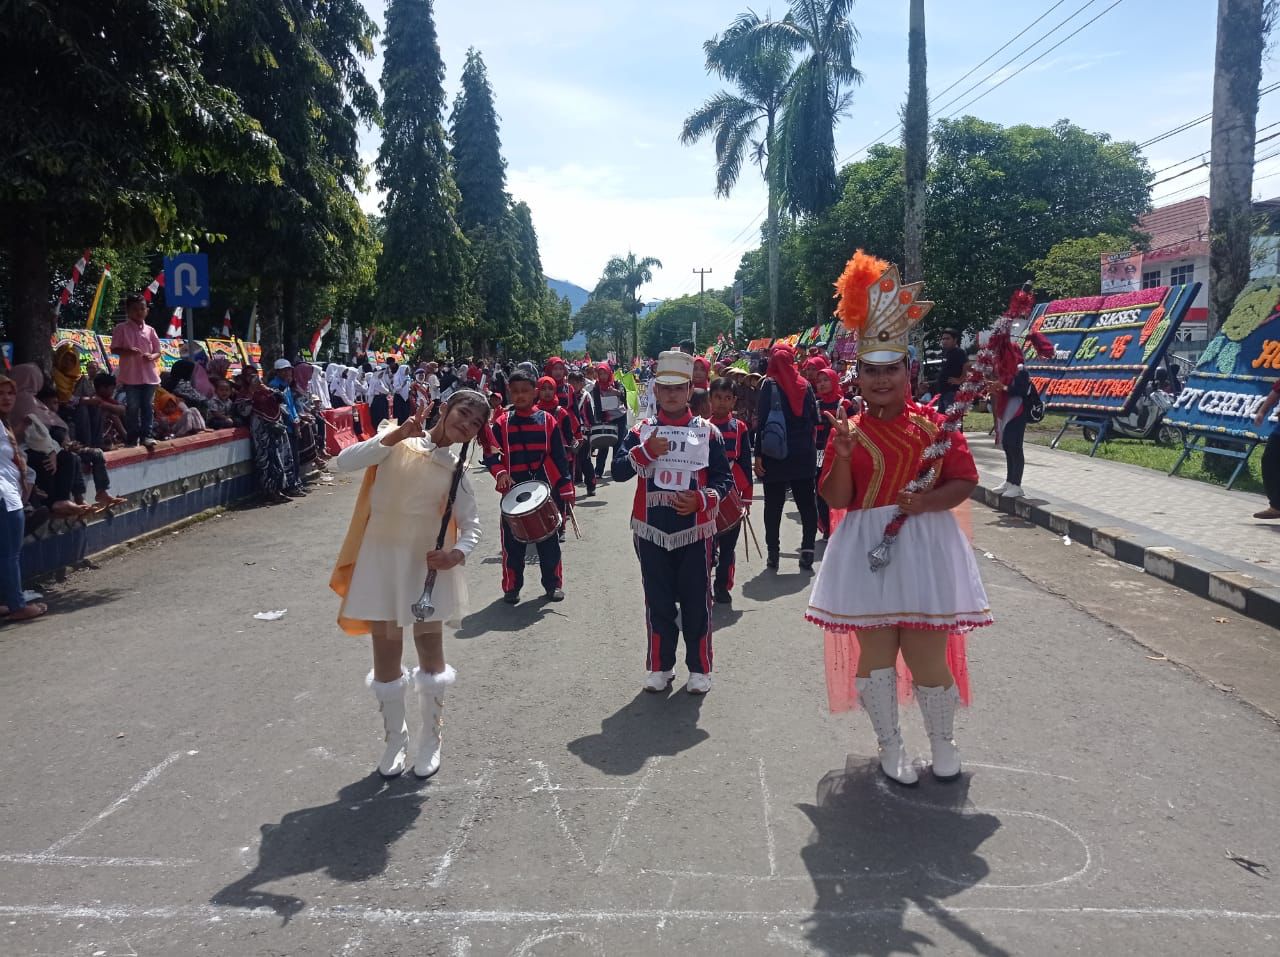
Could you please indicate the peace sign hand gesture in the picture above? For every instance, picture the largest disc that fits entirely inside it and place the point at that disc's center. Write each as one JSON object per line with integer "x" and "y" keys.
{"x": 842, "y": 432}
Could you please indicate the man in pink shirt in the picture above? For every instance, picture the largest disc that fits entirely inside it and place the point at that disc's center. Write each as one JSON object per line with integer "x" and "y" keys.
{"x": 139, "y": 349}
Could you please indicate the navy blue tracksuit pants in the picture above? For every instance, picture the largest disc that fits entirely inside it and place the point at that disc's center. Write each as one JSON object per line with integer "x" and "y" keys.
{"x": 679, "y": 577}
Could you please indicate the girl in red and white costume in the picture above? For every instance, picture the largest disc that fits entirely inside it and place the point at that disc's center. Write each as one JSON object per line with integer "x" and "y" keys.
{"x": 919, "y": 604}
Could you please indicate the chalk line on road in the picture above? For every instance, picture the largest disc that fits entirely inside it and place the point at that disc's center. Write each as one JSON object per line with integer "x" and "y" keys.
{"x": 46, "y": 859}
{"x": 557, "y": 810}
{"x": 640, "y": 788}
{"x": 464, "y": 829}
{"x": 396, "y": 917}
{"x": 770, "y": 843}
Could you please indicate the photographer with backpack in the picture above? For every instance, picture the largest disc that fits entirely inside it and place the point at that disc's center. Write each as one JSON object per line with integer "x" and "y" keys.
{"x": 787, "y": 414}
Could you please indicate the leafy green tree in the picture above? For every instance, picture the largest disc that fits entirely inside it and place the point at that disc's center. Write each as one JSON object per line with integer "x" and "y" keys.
{"x": 106, "y": 107}
{"x": 477, "y": 163}
{"x": 1073, "y": 267}
{"x": 422, "y": 270}
{"x": 604, "y": 323}
{"x": 672, "y": 322}
{"x": 793, "y": 304}
{"x": 761, "y": 72}
{"x": 310, "y": 229}
{"x": 818, "y": 94}
{"x": 622, "y": 279}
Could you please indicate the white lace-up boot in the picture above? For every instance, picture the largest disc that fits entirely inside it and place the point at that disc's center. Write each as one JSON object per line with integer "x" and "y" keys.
{"x": 879, "y": 696}
{"x": 938, "y": 705}
{"x": 431, "y": 690}
{"x": 390, "y": 695}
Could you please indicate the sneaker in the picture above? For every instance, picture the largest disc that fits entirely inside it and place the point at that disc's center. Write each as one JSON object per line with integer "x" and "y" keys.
{"x": 1267, "y": 513}
{"x": 806, "y": 560}
{"x": 659, "y": 681}
{"x": 1012, "y": 491}
{"x": 1001, "y": 488}
{"x": 723, "y": 597}
{"x": 150, "y": 443}
{"x": 698, "y": 683}
{"x": 511, "y": 597}
{"x": 555, "y": 594}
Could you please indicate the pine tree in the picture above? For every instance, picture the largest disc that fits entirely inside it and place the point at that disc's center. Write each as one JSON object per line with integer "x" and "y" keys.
{"x": 421, "y": 275}
{"x": 478, "y": 166}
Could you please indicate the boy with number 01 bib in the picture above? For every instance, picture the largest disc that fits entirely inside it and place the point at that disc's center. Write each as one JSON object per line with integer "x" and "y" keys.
{"x": 682, "y": 474}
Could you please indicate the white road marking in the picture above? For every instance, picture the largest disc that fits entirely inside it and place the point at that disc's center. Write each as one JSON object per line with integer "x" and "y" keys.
{"x": 626, "y": 813}
{"x": 67, "y": 860}
{"x": 561, "y": 822}
{"x": 115, "y": 805}
{"x": 768, "y": 822}
{"x": 464, "y": 830}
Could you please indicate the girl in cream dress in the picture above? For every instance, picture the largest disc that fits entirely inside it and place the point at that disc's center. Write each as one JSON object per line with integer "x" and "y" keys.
{"x": 412, "y": 477}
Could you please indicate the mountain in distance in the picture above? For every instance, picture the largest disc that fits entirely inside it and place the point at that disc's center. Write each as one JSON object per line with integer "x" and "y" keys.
{"x": 576, "y": 295}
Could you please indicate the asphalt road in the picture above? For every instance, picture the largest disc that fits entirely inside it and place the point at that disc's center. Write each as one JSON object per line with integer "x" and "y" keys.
{"x": 180, "y": 778}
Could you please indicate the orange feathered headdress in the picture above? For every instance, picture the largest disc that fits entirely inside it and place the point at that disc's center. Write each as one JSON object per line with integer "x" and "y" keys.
{"x": 860, "y": 274}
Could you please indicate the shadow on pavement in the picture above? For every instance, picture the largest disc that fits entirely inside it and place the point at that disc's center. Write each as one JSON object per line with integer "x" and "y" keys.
{"x": 879, "y": 850}
{"x": 650, "y": 725}
{"x": 767, "y": 585}
{"x": 349, "y": 839}
{"x": 499, "y": 616}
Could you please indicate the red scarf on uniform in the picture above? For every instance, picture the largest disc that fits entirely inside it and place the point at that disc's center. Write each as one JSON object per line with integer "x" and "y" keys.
{"x": 782, "y": 370}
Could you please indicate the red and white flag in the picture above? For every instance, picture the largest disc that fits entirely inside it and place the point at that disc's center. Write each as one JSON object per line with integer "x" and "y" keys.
{"x": 69, "y": 286}
{"x": 320, "y": 334}
{"x": 175, "y": 324}
{"x": 156, "y": 285}
{"x": 226, "y": 324}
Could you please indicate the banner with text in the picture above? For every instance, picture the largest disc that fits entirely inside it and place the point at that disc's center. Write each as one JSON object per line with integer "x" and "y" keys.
{"x": 1236, "y": 372}
{"x": 1105, "y": 347}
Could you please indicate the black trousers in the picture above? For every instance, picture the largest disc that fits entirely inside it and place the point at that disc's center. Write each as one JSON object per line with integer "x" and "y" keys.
{"x": 1271, "y": 469}
{"x": 678, "y": 578}
{"x": 513, "y": 554}
{"x": 400, "y": 408}
{"x": 378, "y": 410}
{"x": 583, "y": 471}
{"x": 824, "y": 510}
{"x": 775, "y": 497}
{"x": 726, "y": 557}
{"x": 603, "y": 454}
{"x": 1011, "y": 439}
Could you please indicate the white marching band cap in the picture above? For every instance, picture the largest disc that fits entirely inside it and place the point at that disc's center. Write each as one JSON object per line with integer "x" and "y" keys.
{"x": 674, "y": 368}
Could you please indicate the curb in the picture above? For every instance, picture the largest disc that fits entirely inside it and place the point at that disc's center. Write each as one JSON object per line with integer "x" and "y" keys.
{"x": 1218, "y": 582}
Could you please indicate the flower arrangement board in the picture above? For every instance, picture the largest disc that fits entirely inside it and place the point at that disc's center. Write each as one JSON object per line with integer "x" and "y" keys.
{"x": 1106, "y": 348}
{"x": 1235, "y": 373}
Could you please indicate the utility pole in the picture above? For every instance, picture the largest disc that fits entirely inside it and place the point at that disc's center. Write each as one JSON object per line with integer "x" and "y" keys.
{"x": 702, "y": 284}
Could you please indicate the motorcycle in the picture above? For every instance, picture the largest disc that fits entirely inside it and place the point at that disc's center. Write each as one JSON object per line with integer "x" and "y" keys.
{"x": 1146, "y": 421}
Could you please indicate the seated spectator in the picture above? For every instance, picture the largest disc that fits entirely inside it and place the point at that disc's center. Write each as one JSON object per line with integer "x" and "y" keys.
{"x": 110, "y": 410}
{"x": 55, "y": 468}
{"x": 87, "y": 455}
{"x": 222, "y": 409}
{"x": 173, "y": 418}
{"x": 15, "y": 485}
{"x": 180, "y": 382}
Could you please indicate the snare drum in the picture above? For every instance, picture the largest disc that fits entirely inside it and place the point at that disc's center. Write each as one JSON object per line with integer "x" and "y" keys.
{"x": 531, "y": 513}
{"x": 603, "y": 436}
{"x": 731, "y": 511}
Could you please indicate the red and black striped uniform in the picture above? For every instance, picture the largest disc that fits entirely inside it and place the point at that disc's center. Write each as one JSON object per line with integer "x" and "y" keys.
{"x": 737, "y": 449}
{"x": 529, "y": 447}
{"x": 583, "y": 470}
{"x": 674, "y": 549}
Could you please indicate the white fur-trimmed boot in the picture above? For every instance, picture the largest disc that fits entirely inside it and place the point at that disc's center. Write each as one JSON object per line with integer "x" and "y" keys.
{"x": 390, "y": 695}
{"x": 938, "y": 706}
{"x": 431, "y": 689}
{"x": 879, "y": 696}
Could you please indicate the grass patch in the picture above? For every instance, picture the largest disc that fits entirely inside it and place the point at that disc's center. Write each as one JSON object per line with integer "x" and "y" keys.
{"x": 1143, "y": 453}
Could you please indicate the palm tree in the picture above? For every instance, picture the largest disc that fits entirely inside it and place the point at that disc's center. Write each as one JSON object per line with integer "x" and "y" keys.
{"x": 817, "y": 96}
{"x": 761, "y": 73}
{"x": 622, "y": 279}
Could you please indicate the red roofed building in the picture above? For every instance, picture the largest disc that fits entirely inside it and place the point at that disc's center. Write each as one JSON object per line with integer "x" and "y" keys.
{"x": 1178, "y": 254}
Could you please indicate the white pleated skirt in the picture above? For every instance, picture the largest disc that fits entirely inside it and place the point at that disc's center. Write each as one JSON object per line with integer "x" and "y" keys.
{"x": 931, "y": 580}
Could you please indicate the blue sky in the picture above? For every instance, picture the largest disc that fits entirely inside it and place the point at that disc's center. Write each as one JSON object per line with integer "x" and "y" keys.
{"x": 592, "y": 93}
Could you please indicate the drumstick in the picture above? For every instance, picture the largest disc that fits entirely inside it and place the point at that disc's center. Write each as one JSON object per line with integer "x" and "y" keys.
{"x": 752, "y": 529}
{"x": 573, "y": 520}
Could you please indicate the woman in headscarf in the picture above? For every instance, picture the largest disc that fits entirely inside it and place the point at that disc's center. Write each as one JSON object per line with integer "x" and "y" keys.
{"x": 272, "y": 452}
{"x": 34, "y": 424}
{"x": 218, "y": 367}
{"x": 831, "y": 400}
{"x": 701, "y": 372}
{"x": 181, "y": 382}
{"x": 309, "y": 424}
{"x": 333, "y": 379}
{"x": 785, "y": 393}
{"x": 609, "y": 402}
{"x": 77, "y": 400}
{"x": 173, "y": 417}
{"x": 15, "y": 486}
{"x": 1010, "y": 388}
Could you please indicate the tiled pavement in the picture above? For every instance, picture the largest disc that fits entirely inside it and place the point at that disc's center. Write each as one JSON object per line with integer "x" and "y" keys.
{"x": 1199, "y": 536}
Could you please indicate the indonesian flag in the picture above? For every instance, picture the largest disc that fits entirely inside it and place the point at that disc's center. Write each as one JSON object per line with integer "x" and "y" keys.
{"x": 175, "y": 324}
{"x": 320, "y": 334}
{"x": 69, "y": 286}
{"x": 156, "y": 285}
{"x": 226, "y": 324}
